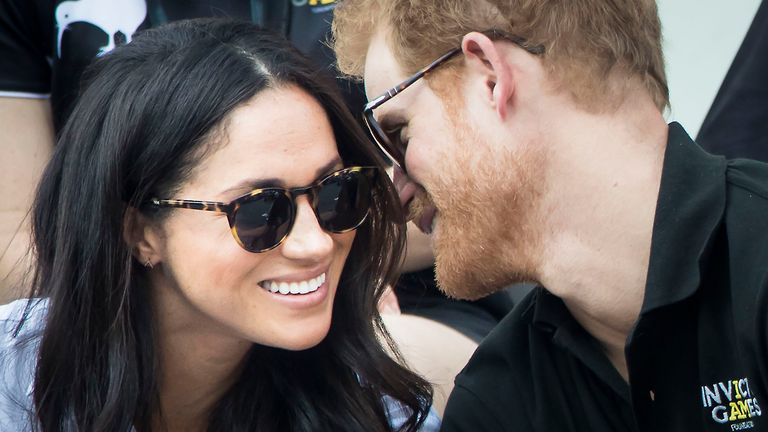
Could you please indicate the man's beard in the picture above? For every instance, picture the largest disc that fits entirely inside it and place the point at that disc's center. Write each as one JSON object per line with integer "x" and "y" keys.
{"x": 486, "y": 231}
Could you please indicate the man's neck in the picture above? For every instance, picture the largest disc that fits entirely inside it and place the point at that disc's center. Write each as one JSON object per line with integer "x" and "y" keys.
{"x": 602, "y": 192}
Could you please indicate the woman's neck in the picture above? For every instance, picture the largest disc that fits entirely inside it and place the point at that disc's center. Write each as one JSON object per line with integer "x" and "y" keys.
{"x": 198, "y": 364}
{"x": 193, "y": 377}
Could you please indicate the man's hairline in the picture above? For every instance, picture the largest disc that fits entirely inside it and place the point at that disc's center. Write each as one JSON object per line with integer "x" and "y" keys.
{"x": 385, "y": 27}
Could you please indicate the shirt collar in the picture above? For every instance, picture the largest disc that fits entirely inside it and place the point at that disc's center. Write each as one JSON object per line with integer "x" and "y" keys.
{"x": 549, "y": 314}
{"x": 690, "y": 207}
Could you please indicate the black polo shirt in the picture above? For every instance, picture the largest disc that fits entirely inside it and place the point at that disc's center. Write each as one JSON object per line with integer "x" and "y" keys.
{"x": 698, "y": 355}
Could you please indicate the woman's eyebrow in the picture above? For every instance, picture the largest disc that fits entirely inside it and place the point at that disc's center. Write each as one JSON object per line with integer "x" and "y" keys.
{"x": 328, "y": 168}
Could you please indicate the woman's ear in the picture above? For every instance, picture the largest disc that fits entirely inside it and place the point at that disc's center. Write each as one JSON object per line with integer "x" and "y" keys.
{"x": 485, "y": 61}
{"x": 142, "y": 237}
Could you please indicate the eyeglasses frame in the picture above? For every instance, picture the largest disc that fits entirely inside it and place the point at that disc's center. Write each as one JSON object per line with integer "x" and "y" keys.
{"x": 230, "y": 209}
{"x": 376, "y": 130}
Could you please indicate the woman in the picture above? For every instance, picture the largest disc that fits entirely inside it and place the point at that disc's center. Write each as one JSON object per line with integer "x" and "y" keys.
{"x": 212, "y": 236}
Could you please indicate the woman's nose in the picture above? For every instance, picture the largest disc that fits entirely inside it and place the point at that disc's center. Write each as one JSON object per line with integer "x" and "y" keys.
{"x": 307, "y": 239}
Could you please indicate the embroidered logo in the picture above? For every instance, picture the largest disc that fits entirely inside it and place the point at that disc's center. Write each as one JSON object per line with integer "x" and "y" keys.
{"x": 731, "y": 402}
{"x": 111, "y": 17}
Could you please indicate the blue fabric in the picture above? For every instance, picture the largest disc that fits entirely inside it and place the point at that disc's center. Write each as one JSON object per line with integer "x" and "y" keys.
{"x": 398, "y": 414}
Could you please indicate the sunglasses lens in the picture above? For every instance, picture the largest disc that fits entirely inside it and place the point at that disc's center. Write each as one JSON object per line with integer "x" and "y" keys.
{"x": 343, "y": 201}
{"x": 262, "y": 222}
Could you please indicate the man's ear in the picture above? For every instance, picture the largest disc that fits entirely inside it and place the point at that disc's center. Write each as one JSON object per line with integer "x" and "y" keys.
{"x": 142, "y": 237}
{"x": 484, "y": 59}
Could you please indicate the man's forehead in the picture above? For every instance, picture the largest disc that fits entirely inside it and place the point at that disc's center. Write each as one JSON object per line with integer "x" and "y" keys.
{"x": 382, "y": 70}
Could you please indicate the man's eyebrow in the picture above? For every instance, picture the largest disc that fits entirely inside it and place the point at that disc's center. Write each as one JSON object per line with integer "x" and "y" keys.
{"x": 260, "y": 183}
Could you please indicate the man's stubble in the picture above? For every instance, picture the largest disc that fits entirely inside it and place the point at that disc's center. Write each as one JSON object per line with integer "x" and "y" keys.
{"x": 487, "y": 196}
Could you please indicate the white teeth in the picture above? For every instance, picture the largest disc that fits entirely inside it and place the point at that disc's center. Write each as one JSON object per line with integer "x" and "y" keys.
{"x": 284, "y": 288}
{"x": 294, "y": 288}
{"x": 302, "y": 287}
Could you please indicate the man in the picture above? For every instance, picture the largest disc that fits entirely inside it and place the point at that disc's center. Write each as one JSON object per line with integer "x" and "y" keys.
{"x": 536, "y": 150}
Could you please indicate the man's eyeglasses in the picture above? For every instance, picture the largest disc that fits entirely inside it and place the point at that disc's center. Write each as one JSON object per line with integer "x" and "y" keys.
{"x": 393, "y": 146}
{"x": 261, "y": 219}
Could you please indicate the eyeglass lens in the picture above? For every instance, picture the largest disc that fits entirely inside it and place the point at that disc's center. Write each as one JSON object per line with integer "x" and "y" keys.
{"x": 390, "y": 143}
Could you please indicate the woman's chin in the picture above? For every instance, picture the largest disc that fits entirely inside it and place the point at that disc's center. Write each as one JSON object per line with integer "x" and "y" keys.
{"x": 301, "y": 340}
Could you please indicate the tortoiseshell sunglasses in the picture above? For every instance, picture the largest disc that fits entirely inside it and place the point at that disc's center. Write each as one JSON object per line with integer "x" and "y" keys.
{"x": 390, "y": 143}
{"x": 261, "y": 219}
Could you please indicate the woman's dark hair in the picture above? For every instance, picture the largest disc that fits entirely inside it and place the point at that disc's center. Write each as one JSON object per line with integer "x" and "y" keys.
{"x": 149, "y": 113}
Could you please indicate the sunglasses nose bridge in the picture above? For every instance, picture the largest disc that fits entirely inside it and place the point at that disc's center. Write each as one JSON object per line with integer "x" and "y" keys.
{"x": 297, "y": 192}
{"x": 310, "y": 191}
